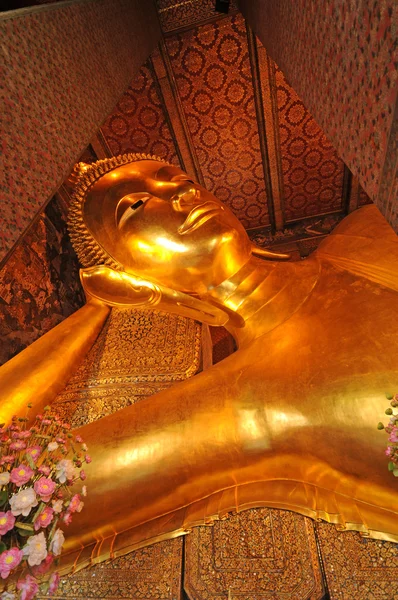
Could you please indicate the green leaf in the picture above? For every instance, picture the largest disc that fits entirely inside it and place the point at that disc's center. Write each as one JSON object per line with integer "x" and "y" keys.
{"x": 24, "y": 526}
{"x": 389, "y": 396}
{"x": 25, "y": 533}
{"x": 395, "y": 472}
{"x": 38, "y": 512}
{"x": 30, "y": 461}
{"x": 391, "y": 466}
{"x": 3, "y": 497}
{"x": 2, "y": 547}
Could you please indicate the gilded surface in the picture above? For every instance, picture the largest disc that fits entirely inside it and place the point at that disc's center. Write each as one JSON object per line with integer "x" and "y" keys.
{"x": 358, "y": 568}
{"x": 253, "y": 555}
{"x": 287, "y": 421}
{"x": 137, "y": 354}
{"x": 152, "y": 573}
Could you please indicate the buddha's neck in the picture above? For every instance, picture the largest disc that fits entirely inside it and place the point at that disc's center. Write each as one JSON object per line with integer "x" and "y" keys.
{"x": 261, "y": 295}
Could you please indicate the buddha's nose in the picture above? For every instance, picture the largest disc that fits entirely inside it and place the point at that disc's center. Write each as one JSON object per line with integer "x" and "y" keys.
{"x": 186, "y": 196}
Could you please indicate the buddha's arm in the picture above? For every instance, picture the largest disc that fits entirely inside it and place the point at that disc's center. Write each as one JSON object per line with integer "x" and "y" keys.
{"x": 38, "y": 373}
{"x": 224, "y": 440}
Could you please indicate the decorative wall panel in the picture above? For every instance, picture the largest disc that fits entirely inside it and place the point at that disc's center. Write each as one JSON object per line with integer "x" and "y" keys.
{"x": 65, "y": 66}
{"x": 152, "y": 573}
{"x": 257, "y": 554}
{"x": 137, "y": 354}
{"x": 213, "y": 77}
{"x": 358, "y": 568}
{"x": 187, "y": 13}
{"x": 341, "y": 59}
{"x": 312, "y": 171}
{"x": 138, "y": 123}
{"x": 39, "y": 284}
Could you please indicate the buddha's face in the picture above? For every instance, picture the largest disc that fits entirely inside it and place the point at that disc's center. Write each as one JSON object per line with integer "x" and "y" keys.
{"x": 160, "y": 225}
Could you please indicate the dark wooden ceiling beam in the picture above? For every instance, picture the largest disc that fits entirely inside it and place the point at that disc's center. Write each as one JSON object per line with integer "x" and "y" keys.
{"x": 275, "y": 215}
{"x": 174, "y": 112}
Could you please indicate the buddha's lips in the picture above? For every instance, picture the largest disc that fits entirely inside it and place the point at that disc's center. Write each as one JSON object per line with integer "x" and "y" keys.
{"x": 198, "y": 216}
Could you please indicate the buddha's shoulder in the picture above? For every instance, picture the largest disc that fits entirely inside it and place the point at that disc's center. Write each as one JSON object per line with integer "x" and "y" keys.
{"x": 364, "y": 244}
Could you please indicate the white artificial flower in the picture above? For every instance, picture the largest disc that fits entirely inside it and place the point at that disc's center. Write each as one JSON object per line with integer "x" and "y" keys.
{"x": 84, "y": 490}
{"x": 8, "y": 596}
{"x": 35, "y": 549}
{"x": 65, "y": 470}
{"x": 22, "y": 502}
{"x": 57, "y": 506}
{"x": 52, "y": 446}
{"x": 57, "y": 541}
{"x": 4, "y": 479}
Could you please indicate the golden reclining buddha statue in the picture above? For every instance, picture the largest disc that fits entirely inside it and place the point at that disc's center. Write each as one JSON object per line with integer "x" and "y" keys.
{"x": 288, "y": 421}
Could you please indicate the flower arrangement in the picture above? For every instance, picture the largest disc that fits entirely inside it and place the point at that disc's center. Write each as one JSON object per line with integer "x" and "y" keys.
{"x": 392, "y": 430}
{"x": 38, "y": 466}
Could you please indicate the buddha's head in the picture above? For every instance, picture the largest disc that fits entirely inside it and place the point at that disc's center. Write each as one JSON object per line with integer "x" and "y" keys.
{"x": 146, "y": 217}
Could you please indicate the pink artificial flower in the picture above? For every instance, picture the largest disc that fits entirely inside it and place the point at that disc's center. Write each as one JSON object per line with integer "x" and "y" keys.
{"x": 7, "y": 521}
{"x": 46, "y": 421}
{"x": 54, "y": 583}
{"x": 21, "y": 475}
{"x": 44, "y": 488}
{"x": 39, "y": 417}
{"x": 393, "y": 437}
{"x": 389, "y": 451}
{"x": 87, "y": 459}
{"x": 34, "y": 452}
{"x": 24, "y": 435}
{"x": 45, "y": 518}
{"x": 18, "y": 445}
{"x": 79, "y": 439}
{"x": 7, "y": 460}
{"x": 44, "y": 566}
{"x": 75, "y": 504}
{"x": 67, "y": 518}
{"x": 28, "y": 587}
{"x": 9, "y": 560}
{"x": 44, "y": 470}
{"x": 60, "y": 440}
{"x": 82, "y": 475}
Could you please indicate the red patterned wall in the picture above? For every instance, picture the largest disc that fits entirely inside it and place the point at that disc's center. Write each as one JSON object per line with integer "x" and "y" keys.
{"x": 312, "y": 171}
{"x": 341, "y": 59}
{"x": 212, "y": 70}
{"x": 65, "y": 66}
{"x": 138, "y": 123}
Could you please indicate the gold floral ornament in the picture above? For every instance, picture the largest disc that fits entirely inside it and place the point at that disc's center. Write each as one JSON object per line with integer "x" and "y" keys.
{"x": 38, "y": 466}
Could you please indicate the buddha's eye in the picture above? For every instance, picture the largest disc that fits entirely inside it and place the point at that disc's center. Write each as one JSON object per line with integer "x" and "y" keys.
{"x": 128, "y": 205}
{"x": 137, "y": 205}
